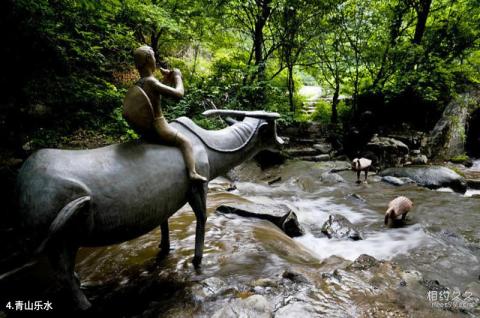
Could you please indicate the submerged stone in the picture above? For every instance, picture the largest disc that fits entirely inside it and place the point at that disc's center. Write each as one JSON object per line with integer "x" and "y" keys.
{"x": 288, "y": 223}
{"x": 255, "y": 306}
{"x": 397, "y": 181}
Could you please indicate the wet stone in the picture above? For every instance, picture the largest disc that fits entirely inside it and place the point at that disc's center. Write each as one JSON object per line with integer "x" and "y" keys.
{"x": 355, "y": 196}
{"x": 288, "y": 223}
{"x": 364, "y": 262}
{"x": 419, "y": 160}
{"x": 397, "y": 181}
{"x": 330, "y": 177}
{"x": 274, "y": 180}
{"x": 433, "y": 285}
{"x": 255, "y": 306}
{"x": 264, "y": 282}
{"x": 294, "y": 277}
{"x": 432, "y": 177}
{"x": 210, "y": 288}
{"x": 339, "y": 227}
{"x": 296, "y": 309}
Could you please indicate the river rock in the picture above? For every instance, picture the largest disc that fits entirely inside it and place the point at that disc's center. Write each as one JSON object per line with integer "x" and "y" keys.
{"x": 297, "y": 309}
{"x": 288, "y": 222}
{"x": 329, "y": 177}
{"x": 264, "y": 282}
{"x": 294, "y": 277}
{"x": 213, "y": 286}
{"x": 387, "y": 151}
{"x": 419, "y": 160}
{"x": 337, "y": 226}
{"x": 357, "y": 197}
{"x": 397, "y": 181}
{"x": 255, "y": 306}
{"x": 432, "y": 177}
{"x": 412, "y": 138}
{"x": 363, "y": 262}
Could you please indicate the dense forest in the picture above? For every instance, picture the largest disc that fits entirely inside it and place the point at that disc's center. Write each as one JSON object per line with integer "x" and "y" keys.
{"x": 67, "y": 63}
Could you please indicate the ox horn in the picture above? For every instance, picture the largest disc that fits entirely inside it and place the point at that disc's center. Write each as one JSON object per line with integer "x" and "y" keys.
{"x": 240, "y": 113}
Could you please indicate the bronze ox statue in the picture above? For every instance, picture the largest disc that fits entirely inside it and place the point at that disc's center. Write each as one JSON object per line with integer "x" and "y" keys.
{"x": 73, "y": 198}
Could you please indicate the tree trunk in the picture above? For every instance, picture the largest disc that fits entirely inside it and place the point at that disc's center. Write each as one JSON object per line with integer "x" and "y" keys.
{"x": 335, "y": 101}
{"x": 261, "y": 20}
{"x": 195, "y": 57}
{"x": 423, "y": 9}
{"x": 291, "y": 88}
{"x": 355, "y": 85}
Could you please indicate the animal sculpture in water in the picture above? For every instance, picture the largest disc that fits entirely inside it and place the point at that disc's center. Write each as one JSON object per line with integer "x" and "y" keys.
{"x": 360, "y": 165}
{"x": 73, "y": 198}
{"x": 398, "y": 208}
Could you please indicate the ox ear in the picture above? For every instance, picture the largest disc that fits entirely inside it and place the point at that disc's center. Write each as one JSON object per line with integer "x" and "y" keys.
{"x": 241, "y": 114}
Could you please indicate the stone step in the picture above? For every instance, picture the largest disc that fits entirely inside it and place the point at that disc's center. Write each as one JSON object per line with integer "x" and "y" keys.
{"x": 300, "y": 152}
{"x": 307, "y": 141}
{"x": 323, "y": 157}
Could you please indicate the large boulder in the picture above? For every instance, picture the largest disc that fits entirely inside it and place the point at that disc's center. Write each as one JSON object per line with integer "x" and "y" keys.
{"x": 386, "y": 151}
{"x": 432, "y": 177}
{"x": 448, "y": 137}
{"x": 337, "y": 226}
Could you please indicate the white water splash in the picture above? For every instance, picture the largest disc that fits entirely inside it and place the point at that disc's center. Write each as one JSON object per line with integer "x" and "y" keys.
{"x": 476, "y": 165}
{"x": 472, "y": 192}
{"x": 381, "y": 245}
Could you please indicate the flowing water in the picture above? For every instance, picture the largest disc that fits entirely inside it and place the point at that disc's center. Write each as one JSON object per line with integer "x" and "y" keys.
{"x": 441, "y": 240}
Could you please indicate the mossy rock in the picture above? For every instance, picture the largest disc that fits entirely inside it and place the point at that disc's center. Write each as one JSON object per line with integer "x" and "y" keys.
{"x": 462, "y": 159}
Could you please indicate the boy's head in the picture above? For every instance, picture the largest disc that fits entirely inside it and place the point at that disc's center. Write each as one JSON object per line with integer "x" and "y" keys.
{"x": 144, "y": 58}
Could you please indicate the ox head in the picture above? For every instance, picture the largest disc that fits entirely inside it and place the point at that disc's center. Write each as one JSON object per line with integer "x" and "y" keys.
{"x": 267, "y": 128}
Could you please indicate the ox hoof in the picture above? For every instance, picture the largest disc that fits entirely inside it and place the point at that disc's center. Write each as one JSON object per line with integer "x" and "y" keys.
{"x": 163, "y": 253}
{"x": 196, "y": 262}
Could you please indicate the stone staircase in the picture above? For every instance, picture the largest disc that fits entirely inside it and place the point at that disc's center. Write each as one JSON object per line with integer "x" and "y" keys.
{"x": 309, "y": 150}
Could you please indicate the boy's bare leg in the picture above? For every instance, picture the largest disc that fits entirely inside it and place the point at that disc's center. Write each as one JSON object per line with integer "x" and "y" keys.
{"x": 187, "y": 152}
{"x": 173, "y": 137}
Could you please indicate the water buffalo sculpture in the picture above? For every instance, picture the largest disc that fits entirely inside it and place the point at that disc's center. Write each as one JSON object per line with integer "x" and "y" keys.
{"x": 73, "y": 198}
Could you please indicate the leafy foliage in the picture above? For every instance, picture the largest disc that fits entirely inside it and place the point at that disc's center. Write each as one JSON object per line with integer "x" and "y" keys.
{"x": 392, "y": 57}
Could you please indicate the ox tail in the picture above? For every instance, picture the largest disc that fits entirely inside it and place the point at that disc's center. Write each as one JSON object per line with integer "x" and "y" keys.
{"x": 68, "y": 213}
{"x": 63, "y": 220}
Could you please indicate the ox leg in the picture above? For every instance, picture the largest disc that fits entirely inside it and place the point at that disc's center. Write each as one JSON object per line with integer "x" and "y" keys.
{"x": 198, "y": 202}
{"x": 165, "y": 242}
{"x": 404, "y": 217}
{"x": 62, "y": 258}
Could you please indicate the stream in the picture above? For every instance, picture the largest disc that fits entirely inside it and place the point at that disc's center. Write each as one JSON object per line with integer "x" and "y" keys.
{"x": 309, "y": 276}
